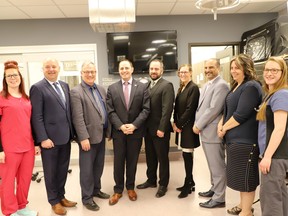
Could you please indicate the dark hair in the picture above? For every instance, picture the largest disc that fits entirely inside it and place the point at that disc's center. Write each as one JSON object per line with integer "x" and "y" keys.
{"x": 158, "y": 60}
{"x": 9, "y": 65}
{"x": 127, "y": 60}
{"x": 245, "y": 63}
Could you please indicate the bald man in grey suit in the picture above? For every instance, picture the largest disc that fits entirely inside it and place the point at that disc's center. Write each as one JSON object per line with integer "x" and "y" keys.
{"x": 208, "y": 114}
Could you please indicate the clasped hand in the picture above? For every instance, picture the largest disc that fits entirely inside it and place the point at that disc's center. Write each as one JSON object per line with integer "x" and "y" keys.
{"x": 127, "y": 128}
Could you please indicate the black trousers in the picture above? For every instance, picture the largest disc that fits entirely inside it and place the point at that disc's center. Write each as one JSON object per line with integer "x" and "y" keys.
{"x": 55, "y": 166}
{"x": 157, "y": 151}
{"x": 126, "y": 154}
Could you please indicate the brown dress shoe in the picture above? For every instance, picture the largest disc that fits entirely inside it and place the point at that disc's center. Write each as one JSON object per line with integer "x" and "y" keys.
{"x": 132, "y": 195}
{"x": 59, "y": 209}
{"x": 67, "y": 203}
{"x": 114, "y": 199}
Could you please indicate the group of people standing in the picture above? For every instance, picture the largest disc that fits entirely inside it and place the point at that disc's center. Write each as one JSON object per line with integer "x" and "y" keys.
{"x": 224, "y": 120}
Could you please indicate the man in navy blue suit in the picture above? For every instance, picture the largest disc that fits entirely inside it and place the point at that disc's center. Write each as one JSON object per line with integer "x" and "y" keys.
{"x": 53, "y": 131}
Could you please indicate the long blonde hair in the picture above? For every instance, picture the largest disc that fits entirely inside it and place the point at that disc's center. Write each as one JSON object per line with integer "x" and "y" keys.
{"x": 280, "y": 84}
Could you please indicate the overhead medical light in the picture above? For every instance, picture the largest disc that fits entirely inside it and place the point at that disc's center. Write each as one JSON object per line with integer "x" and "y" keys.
{"x": 215, "y": 5}
{"x": 112, "y": 15}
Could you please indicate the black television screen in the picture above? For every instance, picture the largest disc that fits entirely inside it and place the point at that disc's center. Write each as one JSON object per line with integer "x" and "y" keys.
{"x": 141, "y": 48}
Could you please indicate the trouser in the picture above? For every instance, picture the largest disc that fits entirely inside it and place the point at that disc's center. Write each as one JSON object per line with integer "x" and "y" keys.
{"x": 19, "y": 166}
{"x": 273, "y": 189}
{"x": 91, "y": 165}
{"x": 126, "y": 152}
{"x": 215, "y": 156}
{"x": 157, "y": 150}
{"x": 55, "y": 166}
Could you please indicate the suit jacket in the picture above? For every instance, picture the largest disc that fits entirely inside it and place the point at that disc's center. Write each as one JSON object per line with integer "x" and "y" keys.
{"x": 210, "y": 109}
{"x": 138, "y": 109}
{"x": 86, "y": 115}
{"x": 184, "y": 115}
{"x": 161, "y": 107}
{"x": 50, "y": 118}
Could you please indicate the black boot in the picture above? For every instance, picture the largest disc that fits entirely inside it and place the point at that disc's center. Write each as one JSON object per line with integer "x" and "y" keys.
{"x": 186, "y": 189}
{"x": 187, "y": 182}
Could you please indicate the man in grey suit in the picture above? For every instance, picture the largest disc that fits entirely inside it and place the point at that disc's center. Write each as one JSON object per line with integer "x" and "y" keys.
{"x": 90, "y": 120}
{"x": 208, "y": 114}
{"x": 128, "y": 108}
{"x": 159, "y": 127}
{"x": 53, "y": 131}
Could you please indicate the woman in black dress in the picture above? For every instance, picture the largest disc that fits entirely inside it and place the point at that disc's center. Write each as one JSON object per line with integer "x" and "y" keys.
{"x": 184, "y": 115}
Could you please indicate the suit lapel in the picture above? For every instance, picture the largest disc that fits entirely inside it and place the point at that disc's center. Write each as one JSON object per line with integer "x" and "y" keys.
{"x": 66, "y": 93}
{"x": 120, "y": 90}
{"x": 211, "y": 86}
{"x": 202, "y": 94}
{"x": 51, "y": 89}
{"x": 134, "y": 87}
{"x": 156, "y": 86}
{"x": 89, "y": 95}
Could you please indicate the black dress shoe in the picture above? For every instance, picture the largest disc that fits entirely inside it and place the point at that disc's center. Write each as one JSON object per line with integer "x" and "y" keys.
{"x": 212, "y": 204}
{"x": 102, "y": 195}
{"x": 146, "y": 185}
{"x": 92, "y": 206}
{"x": 206, "y": 194}
{"x": 161, "y": 191}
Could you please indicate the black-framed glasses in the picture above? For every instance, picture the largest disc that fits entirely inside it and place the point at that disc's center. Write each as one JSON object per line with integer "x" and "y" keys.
{"x": 10, "y": 76}
{"x": 272, "y": 70}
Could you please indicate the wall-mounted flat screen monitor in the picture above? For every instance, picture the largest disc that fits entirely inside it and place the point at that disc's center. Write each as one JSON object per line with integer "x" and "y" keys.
{"x": 259, "y": 43}
{"x": 141, "y": 48}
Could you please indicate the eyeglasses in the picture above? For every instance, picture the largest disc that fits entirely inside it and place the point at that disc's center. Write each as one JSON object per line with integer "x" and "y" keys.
{"x": 272, "y": 70}
{"x": 10, "y": 76}
{"x": 89, "y": 72}
{"x": 183, "y": 72}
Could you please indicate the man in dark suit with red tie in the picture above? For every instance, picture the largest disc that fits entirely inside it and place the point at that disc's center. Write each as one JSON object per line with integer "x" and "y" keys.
{"x": 128, "y": 107}
{"x": 53, "y": 131}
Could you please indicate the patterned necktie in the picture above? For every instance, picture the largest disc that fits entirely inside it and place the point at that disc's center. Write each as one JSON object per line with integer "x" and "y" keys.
{"x": 126, "y": 94}
{"x": 152, "y": 84}
{"x": 58, "y": 91}
{"x": 100, "y": 105}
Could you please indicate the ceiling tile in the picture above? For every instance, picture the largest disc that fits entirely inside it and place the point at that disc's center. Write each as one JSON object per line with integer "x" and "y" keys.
{"x": 71, "y": 2}
{"x": 31, "y": 2}
{"x": 185, "y": 8}
{"x": 155, "y": 1}
{"x": 4, "y": 3}
{"x": 153, "y": 8}
{"x": 259, "y": 7}
{"x": 12, "y": 13}
{"x": 41, "y": 12}
{"x": 75, "y": 10}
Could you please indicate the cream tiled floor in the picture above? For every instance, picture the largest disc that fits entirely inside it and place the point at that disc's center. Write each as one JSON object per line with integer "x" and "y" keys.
{"x": 147, "y": 204}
